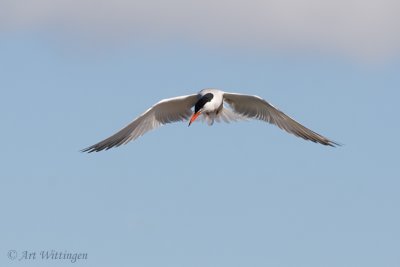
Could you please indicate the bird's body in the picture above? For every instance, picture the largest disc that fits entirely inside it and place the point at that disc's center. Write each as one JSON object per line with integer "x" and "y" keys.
{"x": 212, "y": 108}
{"x": 216, "y": 103}
{"x": 209, "y": 104}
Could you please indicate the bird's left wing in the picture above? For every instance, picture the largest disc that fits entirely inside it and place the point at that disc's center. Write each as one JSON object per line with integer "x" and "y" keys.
{"x": 165, "y": 111}
{"x": 257, "y": 108}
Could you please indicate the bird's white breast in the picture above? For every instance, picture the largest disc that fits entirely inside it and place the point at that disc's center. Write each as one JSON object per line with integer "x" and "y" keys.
{"x": 215, "y": 102}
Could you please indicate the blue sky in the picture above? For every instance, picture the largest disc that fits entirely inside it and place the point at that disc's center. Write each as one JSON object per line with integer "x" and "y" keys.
{"x": 244, "y": 194}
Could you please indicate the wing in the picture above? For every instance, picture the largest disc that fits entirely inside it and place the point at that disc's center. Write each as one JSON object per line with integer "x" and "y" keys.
{"x": 165, "y": 111}
{"x": 257, "y": 108}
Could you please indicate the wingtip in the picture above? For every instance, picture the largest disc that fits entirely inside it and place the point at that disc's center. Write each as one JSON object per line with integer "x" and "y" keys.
{"x": 336, "y": 144}
{"x": 85, "y": 150}
{"x": 89, "y": 149}
{"x": 332, "y": 143}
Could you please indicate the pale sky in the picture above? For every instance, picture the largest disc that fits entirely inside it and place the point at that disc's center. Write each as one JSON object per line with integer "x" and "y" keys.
{"x": 365, "y": 29}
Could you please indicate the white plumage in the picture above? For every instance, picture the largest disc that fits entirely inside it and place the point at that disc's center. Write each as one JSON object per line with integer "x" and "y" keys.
{"x": 208, "y": 103}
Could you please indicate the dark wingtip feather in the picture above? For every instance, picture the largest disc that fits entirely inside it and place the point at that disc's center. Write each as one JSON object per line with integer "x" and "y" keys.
{"x": 335, "y": 144}
{"x": 94, "y": 148}
{"x": 88, "y": 150}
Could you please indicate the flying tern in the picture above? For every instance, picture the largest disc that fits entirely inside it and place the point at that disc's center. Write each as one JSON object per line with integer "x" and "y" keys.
{"x": 209, "y": 105}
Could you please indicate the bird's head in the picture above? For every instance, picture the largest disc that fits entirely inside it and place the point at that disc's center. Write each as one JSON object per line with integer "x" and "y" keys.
{"x": 199, "y": 106}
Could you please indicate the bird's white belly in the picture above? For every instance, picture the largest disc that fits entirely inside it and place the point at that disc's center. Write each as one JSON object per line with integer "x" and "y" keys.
{"x": 212, "y": 111}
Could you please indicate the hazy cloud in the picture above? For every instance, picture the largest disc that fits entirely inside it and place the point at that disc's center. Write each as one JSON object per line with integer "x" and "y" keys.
{"x": 366, "y": 28}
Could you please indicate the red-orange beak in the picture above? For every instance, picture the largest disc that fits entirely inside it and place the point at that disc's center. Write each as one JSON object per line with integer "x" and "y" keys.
{"x": 194, "y": 117}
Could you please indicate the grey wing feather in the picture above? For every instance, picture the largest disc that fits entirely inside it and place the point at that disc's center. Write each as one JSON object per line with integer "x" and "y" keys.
{"x": 257, "y": 108}
{"x": 228, "y": 115}
{"x": 165, "y": 111}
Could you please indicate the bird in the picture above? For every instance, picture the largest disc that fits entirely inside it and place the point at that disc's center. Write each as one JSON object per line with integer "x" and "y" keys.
{"x": 211, "y": 105}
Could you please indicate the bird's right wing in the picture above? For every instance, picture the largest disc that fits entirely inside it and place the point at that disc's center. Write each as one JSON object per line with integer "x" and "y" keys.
{"x": 257, "y": 108}
{"x": 165, "y": 111}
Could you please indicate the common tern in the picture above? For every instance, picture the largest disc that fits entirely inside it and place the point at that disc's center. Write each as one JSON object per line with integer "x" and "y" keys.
{"x": 209, "y": 104}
